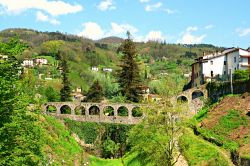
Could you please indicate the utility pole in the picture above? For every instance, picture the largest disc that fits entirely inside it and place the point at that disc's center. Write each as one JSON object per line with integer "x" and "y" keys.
{"x": 231, "y": 81}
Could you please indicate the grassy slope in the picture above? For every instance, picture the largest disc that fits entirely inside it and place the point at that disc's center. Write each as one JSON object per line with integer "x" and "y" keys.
{"x": 59, "y": 146}
{"x": 129, "y": 159}
{"x": 200, "y": 152}
{"x": 224, "y": 124}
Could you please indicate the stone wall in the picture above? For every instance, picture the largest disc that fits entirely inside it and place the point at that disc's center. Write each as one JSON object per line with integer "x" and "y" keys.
{"x": 100, "y": 117}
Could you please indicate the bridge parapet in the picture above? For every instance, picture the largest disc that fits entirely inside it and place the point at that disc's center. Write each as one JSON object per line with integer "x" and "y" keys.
{"x": 95, "y": 112}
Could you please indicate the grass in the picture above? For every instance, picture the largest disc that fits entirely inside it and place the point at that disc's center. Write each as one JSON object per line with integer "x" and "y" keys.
{"x": 95, "y": 161}
{"x": 130, "y": 159}
{"x": 59, "y": 146}
{"x": 199, "y": 152}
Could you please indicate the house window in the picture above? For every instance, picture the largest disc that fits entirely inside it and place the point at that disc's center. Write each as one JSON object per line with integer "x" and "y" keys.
{"x": 225, "y": 72}
{"x": 225, "y": 62}
{"x": 238, "y": 66}
{"x": 235, "y": 68}
{"x": 211, "y": 62}
{"x": 234, "y": 59}
{"x": 212, "y": 74}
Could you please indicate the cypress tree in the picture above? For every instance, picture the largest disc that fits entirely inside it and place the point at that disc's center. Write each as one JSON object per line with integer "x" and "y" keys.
{"x": 66, "y": 89}
{"x": 95, "y": 93}
{"x": 128, "y": 76}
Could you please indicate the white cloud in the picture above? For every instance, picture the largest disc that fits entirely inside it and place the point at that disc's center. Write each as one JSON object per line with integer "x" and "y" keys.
{"x": 106, "y": 5}
{"x": 154, "y": 36}
{"x": 40, "y": 16}
{"x": 191, "y": 28}
{"x": 153, "y": 7}
{"x": 55, "y": 7}
{"x": 144, "y": 1}
{"x": 189, "y": 38}
{"x": 169, "y": 11}
{"x": 92, "y": 30}
{"x": 243, "y": 31}
{"x": 121, "y": 29}
{"x": 210, "y": 26}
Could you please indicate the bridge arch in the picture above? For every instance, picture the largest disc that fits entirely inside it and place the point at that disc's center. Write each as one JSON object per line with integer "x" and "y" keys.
{"x": 108, "y": 111}
{"x": 197, "y": 94}
{"x": 94, "y": 110}
{"x": 51, "y": 109}
{"x": 137, "y": 112}
{"x": 122, "y": 111}
{"x": 80, "y": 110}
{"x": 182, "y": 98}
{"x": 65, "y": 109}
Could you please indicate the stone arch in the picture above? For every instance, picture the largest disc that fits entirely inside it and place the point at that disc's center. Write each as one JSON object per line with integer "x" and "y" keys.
{"x": 51, "y": 109}
{"x": 80, "y": 110}
{"x": 94, "y": 110}
{"x": 137, "y": 112}
{"x": 182, "y": 99}
{"x": 122, "y": 111}
{"x": 108, "y": 111}
{"x": 65, "y": 109}
{"x": 197, "y": 94}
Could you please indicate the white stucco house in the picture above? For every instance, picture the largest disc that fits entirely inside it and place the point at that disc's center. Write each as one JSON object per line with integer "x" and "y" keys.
{"x": 94, "y": 68}
{"x": 41, "y": 61}
{"x": 220, "y": 65}
{"x": 28, "y": 63}
{"x": 107, "y": 69}
{"x": 3, "y": 57}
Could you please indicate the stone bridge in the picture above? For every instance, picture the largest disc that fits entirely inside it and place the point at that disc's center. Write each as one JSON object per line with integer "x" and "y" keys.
{"x": 95, "y": 112}
{"x": 194, "y": 98}
{"x": 122, "y": 113}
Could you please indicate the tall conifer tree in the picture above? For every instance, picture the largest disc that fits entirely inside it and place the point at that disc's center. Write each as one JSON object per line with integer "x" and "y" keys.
{"x": 66, "y": 89}
{"x": 128, "y": 76}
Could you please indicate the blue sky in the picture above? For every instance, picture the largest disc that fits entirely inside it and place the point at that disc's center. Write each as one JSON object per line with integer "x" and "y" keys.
{"x": 219, "y": 22}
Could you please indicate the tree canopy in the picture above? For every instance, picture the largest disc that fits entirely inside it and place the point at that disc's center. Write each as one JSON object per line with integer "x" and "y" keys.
{"x": 129, "y": 76}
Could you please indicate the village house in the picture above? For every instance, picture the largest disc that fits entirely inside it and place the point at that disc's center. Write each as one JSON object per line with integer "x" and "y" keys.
{"x": 107, "y": 69}
{"x": 94, "y": 68}
{"x": 3, "y": 57}
{"x": 220, "y": 65}
{"x": 28, "y": 63}
{"x": 41, "y": 61}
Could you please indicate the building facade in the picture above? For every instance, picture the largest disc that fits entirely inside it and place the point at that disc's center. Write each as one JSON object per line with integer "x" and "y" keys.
{"x": 219, "y": 65}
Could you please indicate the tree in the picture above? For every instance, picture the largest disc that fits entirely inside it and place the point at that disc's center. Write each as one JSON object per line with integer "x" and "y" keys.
{"x": 66, "y": 89}
{"x": 13, "y": 47}
{"x": 241, "y": 75}
{"x": 128, "y": 76}
{"x": 95, "y": 93}
{"x": 8, "y": 90}
{"x": 52, "y": 94}
{"x": 20, "y": 142}
{"x": 155, "y": 139}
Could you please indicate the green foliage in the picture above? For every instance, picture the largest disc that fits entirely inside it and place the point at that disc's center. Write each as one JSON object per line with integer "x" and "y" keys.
{"x": 52, "y": 95}
{"x": 118, "y": 99}
{"x": 12, "y": 47}
{"x": 95, "y": 93}
{"x": 66, "y": 89}
{"x": 112, "y": 137}
{"x": 94, "y": 161}
{"x": 199, "y": 152}
{"x": 59, "y": 147}
{"x": 110, "y": 148}
{"x": 241, "y": 75}
{"x": 86, "y": 131}
{"x": 231, "y": 121}
{"x": 52, "y": 47}
{"x": 153, "y": 140}
{"x": 8, "y": 90}
{"x": 128, "y": 76}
